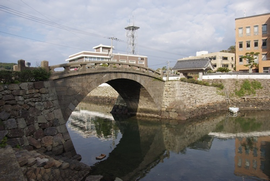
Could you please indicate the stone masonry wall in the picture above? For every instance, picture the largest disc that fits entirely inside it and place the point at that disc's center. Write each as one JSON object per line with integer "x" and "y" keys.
{"x": 30, "y": 118}
{"x": 183, "y": 100}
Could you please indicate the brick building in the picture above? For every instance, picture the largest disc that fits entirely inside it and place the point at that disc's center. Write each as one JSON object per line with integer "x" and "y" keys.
{"x": 252, "y": 34}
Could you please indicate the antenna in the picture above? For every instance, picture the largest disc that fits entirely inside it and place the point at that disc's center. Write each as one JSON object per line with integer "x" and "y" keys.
{"x": 131, "y": 38}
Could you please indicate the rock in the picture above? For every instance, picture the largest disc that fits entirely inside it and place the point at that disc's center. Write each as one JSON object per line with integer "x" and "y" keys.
{"x": 4, "y": 115}
{"x": 38, "y": 85}
{"x": 22, "y": 160}
{"x": 31, "y": 162}
{"x": 34, "y": 142}
{"x": 47, "y": 141}
{"x": 13, "y": 87}
{"x": 64, "y": 165}
{"x": 15, "y": 133}
{"x": 39, "y": 134}
{"x": 21, "y": 123}
{"x": 51, "y": 131}
{"x": 94, "y": 178}
{"x": 57, "y": 163}
{"x": 3, "y": 134}
{"x": 49, "y": 164}
{"x": 11, "y": 124}
{"x": 58, "y": 140}
{"x": 30, "y": 130}
{"x": 118, "y": 179}
{"x": 41, "y": 161}
{"x": 42, "y": 119}
{"x": 8, "y": 97}
{"x": 58, "y": 150}
{"x": 68, "y": 146}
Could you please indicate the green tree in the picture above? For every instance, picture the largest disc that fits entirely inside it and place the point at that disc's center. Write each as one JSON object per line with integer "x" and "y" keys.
{"x": 223, "y": 69}
{"x": 250, "y": 58}
{"x": 231, "y": 49}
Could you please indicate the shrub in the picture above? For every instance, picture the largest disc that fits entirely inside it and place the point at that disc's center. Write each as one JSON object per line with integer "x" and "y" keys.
{"x": 193, "y": 81}
{"x": 30, "y": 75}
{"x": 223, "y": 69}
{"x": 248, "y": 88}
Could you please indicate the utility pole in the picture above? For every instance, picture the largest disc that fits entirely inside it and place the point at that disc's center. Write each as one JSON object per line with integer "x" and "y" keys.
{"x": 168, "y": 66}
{"x": 112, "y": 38}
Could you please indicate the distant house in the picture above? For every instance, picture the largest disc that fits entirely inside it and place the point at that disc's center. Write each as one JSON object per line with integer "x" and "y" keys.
{"x": 218, "y": 59}
{"x": 196, "y": 65}
{"x": 104, "y": 53}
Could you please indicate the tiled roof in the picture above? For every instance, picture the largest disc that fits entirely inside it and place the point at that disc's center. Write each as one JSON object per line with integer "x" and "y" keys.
{"x": 193, "y": 64}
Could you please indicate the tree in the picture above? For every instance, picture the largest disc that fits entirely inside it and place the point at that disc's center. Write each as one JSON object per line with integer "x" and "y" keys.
{"x": 250, "y": 58}
{"x": 231, "y": 49}
{"x": 223, "y": 69}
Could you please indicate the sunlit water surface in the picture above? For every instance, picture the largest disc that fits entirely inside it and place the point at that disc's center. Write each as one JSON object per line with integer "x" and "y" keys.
{"x": 218, "y": 147}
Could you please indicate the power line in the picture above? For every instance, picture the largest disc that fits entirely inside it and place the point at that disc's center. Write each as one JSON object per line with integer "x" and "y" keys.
{"x": 38, "y": 40}
{"x": 63, "y": 27}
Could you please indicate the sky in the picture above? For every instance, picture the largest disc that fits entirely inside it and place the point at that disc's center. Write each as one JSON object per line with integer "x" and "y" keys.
{"x": 37, "y": 30}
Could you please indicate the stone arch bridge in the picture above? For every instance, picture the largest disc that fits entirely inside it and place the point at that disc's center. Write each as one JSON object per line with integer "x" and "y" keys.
{"x": 140, "y": 87}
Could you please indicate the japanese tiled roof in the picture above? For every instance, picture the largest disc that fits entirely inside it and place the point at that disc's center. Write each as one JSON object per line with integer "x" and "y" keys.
{"x": 193, "y": 64}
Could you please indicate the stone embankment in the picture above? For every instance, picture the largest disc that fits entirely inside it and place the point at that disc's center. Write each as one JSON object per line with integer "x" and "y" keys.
{"x": 31, "y": 165}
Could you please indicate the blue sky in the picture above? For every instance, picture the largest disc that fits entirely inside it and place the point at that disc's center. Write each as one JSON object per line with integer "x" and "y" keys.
{"x": 169, "y": 30}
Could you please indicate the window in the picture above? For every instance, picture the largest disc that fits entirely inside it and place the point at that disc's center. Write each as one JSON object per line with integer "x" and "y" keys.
{"x": 264, "y": 43}
{"x": 256, "y": 30}
{"x": 124, "y": 61}
{"x": 240, "y": 45}
{"x": 114, "y": 60}
{"x": 256, "y": 44}
{"x": 240, "y": 59}
{"x": 225, "y": 65}
{"x": 248, "y": 31}
{"x": 264, "y": 56}
{"x": 141, "y": 62}
{"x": 264, "y": 29}
{"x": 248, "y": 45}
{"x": 224, "y": 58}
{"x": 266, "y": 69}
{"x": 240, "y": 32}
{"x": 132, "y": 61}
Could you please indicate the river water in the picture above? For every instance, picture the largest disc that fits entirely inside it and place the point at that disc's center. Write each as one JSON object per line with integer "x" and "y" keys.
{"x": 215, "y": 147}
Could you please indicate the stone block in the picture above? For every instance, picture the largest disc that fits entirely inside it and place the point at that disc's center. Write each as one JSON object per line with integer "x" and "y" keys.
{"x": 51, "y": 131}
{"x": 50, "y": 116}
{"x": 34, "y": 142}
{"x": 13, "y": 87}
{"x": 39, "y": 106}
{"x": 47, "y": 141}
{"x": 62, "y": 128}
{"x": 15, "y": 133}
{"x": 39, "y": 134}
{"x": 8, "y": 97}
{"x": 68, "y": 146}
{"x": 58, "y": 140}
{"x": 58, "y": 150}
{"x": 58, "y": 114}
{"x": 21, "y": 123}
{"x": 30, "y": 130}
{"x": 24, "y": 86}
{"x": 4, "y": 115}
{"x": 39, "y": 85}
{"x": 3, "y": 133}
{"x": 43, "y": 91}
{"x": 10, "y": 123}
{"x": 42, "y": 119}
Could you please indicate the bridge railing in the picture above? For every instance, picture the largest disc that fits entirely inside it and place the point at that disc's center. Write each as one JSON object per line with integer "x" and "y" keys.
{"x": 100, "y": 66}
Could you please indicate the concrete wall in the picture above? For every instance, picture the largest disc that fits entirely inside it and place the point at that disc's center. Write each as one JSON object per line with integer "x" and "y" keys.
{"x": 31, "y": 118}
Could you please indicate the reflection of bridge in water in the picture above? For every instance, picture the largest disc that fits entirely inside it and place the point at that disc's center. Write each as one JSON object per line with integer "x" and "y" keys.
{"x": 144, "y": 145}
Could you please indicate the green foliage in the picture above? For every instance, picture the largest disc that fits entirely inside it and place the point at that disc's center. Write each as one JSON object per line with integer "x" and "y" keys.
{"x": 223, "y": 69}
{"x": 247, "y": 124}
{"x": 6, "y": 66}
{"x": 250, "y": 57}
{"x": 193, "y": 81}
{"x": 29, "y": 75}
{"x": 248, "y": 88}
{"x": 3, "y": 142}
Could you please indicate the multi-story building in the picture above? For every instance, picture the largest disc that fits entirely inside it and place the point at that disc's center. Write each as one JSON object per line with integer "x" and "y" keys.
{"x": 218, "y": 59}
{"x": 104, "y": 53}
{"x": 252, "y": 34}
